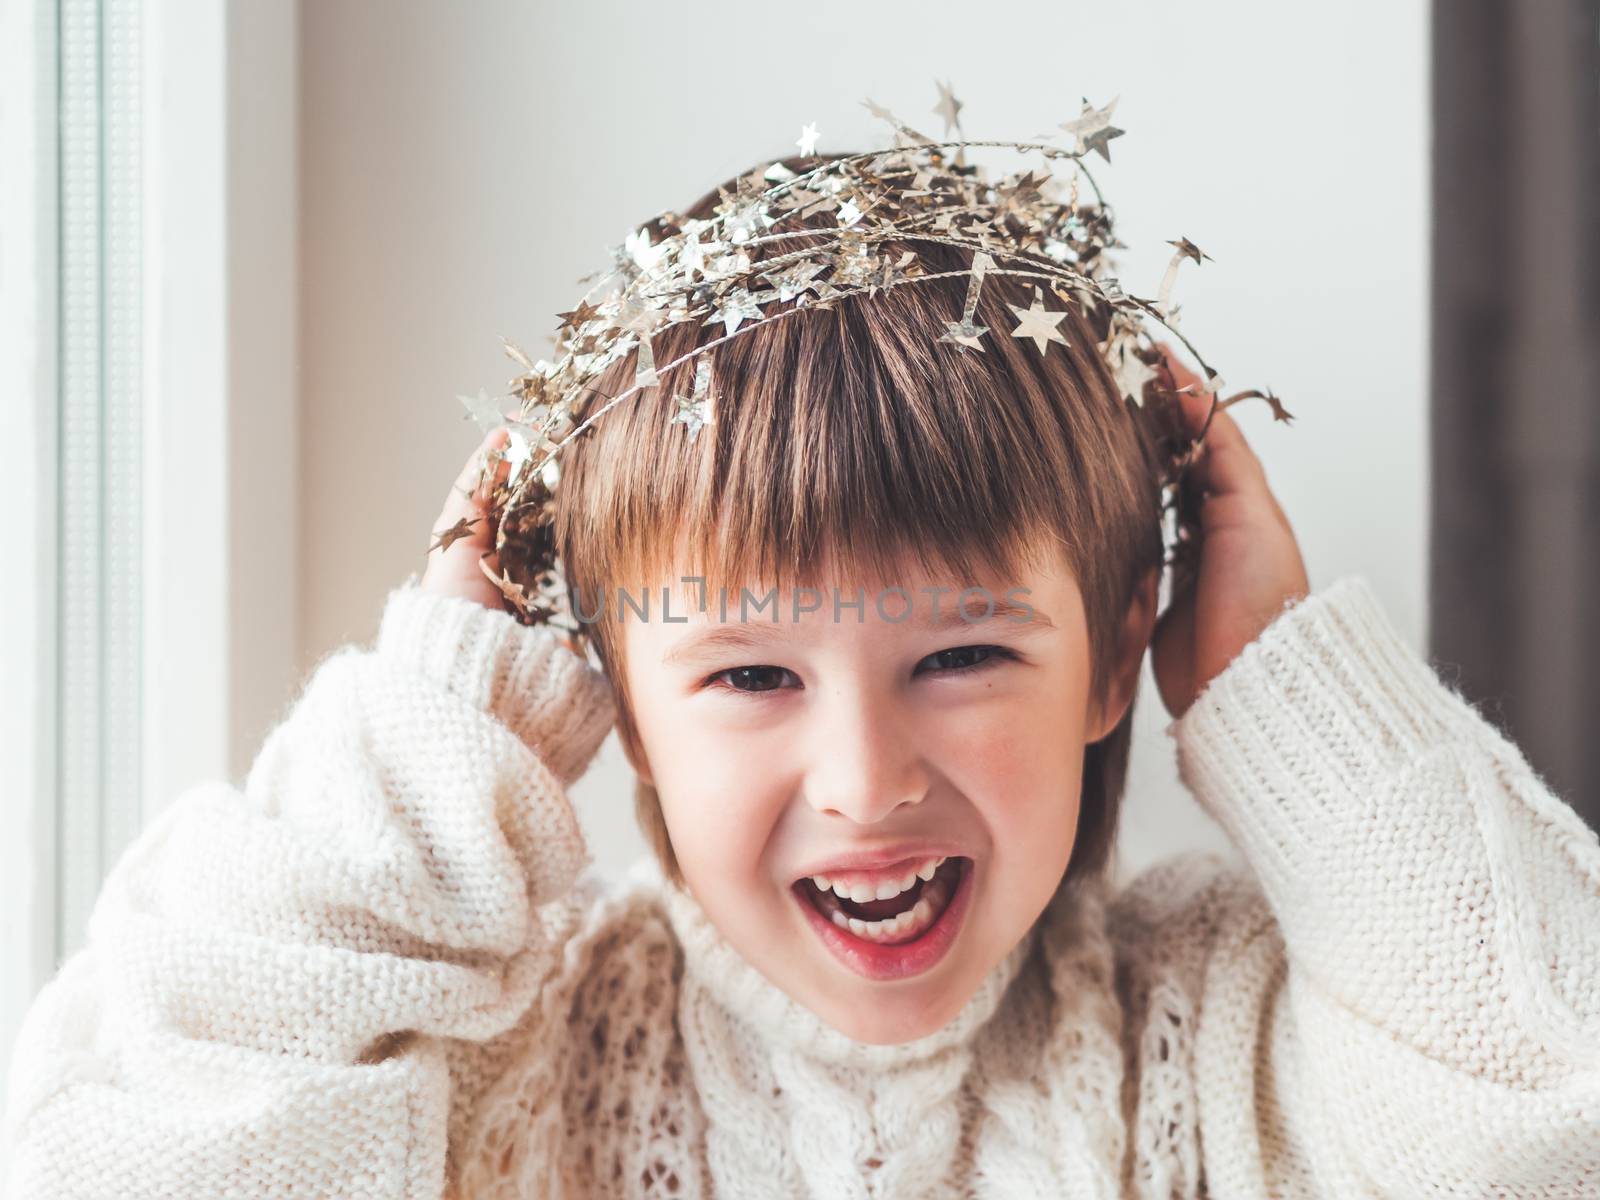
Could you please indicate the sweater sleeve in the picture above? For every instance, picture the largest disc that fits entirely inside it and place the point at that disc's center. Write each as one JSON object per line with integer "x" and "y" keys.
{"x": 274, "y": 973}
{"x": 1427, "y": 1020}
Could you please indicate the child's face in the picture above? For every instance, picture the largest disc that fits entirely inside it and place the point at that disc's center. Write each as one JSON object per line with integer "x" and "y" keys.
{"x": 829, "y": 738}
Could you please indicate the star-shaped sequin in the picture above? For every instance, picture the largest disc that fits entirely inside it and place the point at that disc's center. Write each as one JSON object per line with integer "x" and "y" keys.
{"x": 735, "y": 308}
{"x": 1093, "y": 128}
{"x": 1038, "y": 322}
{"x": 808, "y": 140}
{"x": 644, "y": 254}
{"x": 1189, "y": 250}
{"x": 518, "y": 451}
{"x": 484, "y": 410}
{"x": 694, "y": 410}
{"x": 879, "y": 111}
{"x": 964, "y": 333}
{"x": 948, "y": 109}
{"x": 795, "y": 278}
{"x": 580, "y": 316}
{"x": 448, "y": 537}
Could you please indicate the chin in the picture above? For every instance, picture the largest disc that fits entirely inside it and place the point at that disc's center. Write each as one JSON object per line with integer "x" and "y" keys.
{"x": 888, "y": 1020}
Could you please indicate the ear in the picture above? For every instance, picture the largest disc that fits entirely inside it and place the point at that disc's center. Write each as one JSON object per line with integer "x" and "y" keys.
{"x": 1138, "y": 625}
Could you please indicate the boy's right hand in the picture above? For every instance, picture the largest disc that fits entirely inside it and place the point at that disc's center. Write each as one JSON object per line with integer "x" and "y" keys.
{"x": 464, "y": 534}
{"x": 453, "y": 555}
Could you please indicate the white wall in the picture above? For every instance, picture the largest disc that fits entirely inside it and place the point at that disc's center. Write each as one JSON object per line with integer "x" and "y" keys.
{"x": 462, "y": 165}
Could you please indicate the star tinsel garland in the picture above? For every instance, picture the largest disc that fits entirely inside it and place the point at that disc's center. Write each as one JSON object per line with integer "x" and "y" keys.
{"x": 735, "y": 271}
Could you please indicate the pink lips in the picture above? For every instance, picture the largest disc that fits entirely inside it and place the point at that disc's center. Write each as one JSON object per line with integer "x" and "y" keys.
{"x": 881, "y": 962}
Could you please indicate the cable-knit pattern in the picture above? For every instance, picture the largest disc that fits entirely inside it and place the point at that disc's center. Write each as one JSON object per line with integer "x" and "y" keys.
{"x": 543, "y": 692}
{"x": 385, "y": 967}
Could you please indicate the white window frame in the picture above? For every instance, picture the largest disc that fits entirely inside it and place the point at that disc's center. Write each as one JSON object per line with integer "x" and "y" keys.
{"x": 28, "y": 454}
{"x": 206, "y": 130}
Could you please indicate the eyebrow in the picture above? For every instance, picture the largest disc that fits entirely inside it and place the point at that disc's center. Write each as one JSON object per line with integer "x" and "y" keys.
{"x": 748, "y": 635}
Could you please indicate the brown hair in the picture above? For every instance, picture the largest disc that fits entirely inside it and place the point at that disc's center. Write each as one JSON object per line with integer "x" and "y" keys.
{"x": 850, "y": 431}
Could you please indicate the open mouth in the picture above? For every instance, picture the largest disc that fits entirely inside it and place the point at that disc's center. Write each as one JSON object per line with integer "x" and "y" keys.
{"x": 895, "y": 937}
{"x": 901, "y": 918}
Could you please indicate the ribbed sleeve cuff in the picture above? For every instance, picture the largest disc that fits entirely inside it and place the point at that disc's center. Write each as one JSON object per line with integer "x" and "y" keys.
{"x": 522, "y": 674}
{"x": 1324, "y": 705}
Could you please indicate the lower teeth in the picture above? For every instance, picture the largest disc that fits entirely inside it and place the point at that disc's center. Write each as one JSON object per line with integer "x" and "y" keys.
{"x": 912, "y": 923}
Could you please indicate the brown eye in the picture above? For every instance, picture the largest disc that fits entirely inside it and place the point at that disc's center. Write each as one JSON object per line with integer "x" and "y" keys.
{"x": 959, "y": 659}
{"x": 751, "y": 679}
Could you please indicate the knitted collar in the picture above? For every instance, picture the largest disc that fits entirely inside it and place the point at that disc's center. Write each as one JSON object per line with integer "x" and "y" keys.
{"x": 712, "y": 964}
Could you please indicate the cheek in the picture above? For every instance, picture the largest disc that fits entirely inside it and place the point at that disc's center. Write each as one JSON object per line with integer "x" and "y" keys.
{"x": 720, "y": 797}
{"x": 1019, "y": 763}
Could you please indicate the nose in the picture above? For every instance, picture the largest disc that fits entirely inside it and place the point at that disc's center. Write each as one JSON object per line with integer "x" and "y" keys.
{"x": 865, "y": 760}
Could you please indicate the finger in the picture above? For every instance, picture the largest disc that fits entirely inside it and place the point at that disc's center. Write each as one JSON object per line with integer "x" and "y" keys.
{"x": 1195, "y": 403}
{"x": 1226, "y": 463}
{"x": 464, "y": 524}
{"x": 467, "y": 496}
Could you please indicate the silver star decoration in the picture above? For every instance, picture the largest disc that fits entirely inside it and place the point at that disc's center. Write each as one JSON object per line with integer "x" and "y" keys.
{"x": 1185, "y": 249}
{"x": 964, "y": 333}
{"x": 484, "y": 410}
{"x": 1038, "y": 323}
{"x": 703, "y": 270}
{"x": 519, "y": 451}
{"x": 735, "y": 308}
{"x": 948, "y": 108}
{"x": 795, "y": 278}
{"x": 724, "y": 262}
{"x": 642, "y": 319}
{"x": 879, "y": 111}
{"x": 639, "y": 318}
{"x": 644, "y": 255}
{"x": 691, "y": 256}
{"x": 1130, "y": 370}
{"x": 695, "y": 410}
{"x": 745, "y": 222}
{"x": 1093, "y": 128}
{"x": 1111, "y": 288}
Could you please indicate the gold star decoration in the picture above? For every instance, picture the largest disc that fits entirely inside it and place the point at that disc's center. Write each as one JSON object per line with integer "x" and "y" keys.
{"x": 1188, "y": 249}
{"x": 517, "y": 593}
{"x": 1279, "y": 412}
{"x": 582, "y": 315}
{"x": 1038, "y": 322}
{"x": 448, "y": 537}
{"x": 516, "y": 353}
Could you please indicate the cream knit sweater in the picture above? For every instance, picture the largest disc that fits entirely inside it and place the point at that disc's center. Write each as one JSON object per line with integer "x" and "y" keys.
{"x": 382, "y": 969}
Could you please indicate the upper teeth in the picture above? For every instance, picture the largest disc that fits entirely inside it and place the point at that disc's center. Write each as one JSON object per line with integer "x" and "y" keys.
{"x": 861, "y": 891}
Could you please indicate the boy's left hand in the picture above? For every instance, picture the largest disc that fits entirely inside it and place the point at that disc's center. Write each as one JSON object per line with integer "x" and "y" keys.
{"x": 1249, "y": 567}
